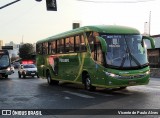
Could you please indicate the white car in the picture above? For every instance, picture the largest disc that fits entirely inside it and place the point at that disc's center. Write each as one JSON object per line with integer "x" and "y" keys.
{"x": 27, "y": 70}
{"x": 12, "y": 69}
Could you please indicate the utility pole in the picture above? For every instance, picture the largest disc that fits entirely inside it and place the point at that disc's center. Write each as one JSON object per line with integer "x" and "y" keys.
{"x": 9, "y": 4}
{"x": 22, "y": 40}
{"x": 149, "y": 23}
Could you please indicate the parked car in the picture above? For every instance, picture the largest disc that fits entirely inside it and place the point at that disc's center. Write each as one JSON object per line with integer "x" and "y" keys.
{"x": 27, "y": 70}
{"x": 16, "y": 64}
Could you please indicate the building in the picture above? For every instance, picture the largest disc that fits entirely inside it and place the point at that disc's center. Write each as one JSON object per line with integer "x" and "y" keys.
{"x": 154, "y": 54}
{"x": 15, "y": 51}
{"x": 1, "y": 44}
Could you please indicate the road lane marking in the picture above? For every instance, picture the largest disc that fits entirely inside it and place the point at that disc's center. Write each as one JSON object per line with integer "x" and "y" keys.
{"x": 123, "y": 92}
{"x": 97, "y": 93}
{"x": 79, "y": 94}
{"x": 67, "y": 98}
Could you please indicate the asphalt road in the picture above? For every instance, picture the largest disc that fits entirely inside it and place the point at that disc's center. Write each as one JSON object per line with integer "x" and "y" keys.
{"x": 35, "y": 93}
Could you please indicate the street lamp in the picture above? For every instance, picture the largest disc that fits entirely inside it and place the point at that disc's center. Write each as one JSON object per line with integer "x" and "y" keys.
{"x": 38, "y": 0}
{"x": 51, "y": 5}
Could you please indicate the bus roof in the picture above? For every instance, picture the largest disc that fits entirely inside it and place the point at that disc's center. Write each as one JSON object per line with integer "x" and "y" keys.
{"x": 109, "y": 29}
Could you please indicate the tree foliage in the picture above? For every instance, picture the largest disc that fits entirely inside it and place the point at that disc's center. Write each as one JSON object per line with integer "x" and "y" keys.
{"x": 26, "y": 51}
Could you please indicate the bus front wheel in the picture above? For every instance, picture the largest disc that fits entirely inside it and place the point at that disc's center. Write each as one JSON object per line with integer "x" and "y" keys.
{"x": 88, "y": 85}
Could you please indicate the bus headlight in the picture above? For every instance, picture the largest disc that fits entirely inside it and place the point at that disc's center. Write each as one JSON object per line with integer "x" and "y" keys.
{"x": 128, "y": 76}
{"x": 112, "y": 75}
{"x": 8, "y": 69}
{"x": 147, "y": 73}
{"x": 42, "y": 66}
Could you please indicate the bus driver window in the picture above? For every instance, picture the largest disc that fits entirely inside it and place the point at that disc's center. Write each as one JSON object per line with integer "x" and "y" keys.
{"x": 95, "y": 46}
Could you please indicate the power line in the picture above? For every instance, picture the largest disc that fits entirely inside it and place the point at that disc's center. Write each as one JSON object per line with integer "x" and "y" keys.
{"x": 9, "y": 4}
{"x": 14, "y": 19}
{"x": 116, "y": 1}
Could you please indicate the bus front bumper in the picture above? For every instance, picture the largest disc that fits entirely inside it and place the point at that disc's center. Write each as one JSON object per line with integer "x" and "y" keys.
{"x": 132, "y": 80}
{"x": 7, "y": 71}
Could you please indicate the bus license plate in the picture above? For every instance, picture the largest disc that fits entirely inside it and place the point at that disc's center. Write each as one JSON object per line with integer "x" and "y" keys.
{"x": 32, "y": 73}
{"x": 132, "y": 82}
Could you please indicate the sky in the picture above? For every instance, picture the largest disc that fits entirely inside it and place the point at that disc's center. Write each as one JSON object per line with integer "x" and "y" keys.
{"x": 29, "y": 20}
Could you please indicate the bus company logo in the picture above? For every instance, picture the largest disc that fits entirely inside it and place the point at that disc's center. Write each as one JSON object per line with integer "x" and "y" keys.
{"x": 6, "y": 112}
{"x": 63, "y": 60}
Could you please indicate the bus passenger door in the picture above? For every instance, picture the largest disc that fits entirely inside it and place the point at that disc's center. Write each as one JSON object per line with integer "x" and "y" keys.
{"x": 68, "y": 66}
{"x": 98, "y": 57}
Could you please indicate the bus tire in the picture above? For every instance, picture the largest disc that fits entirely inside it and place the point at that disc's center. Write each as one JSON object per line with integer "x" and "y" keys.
{"x": 50, "y": 81}
{"x": 24, "y": 76}
{"x": 87, "y": 84}
{"x": 19, "y": 75}
{"x": 37, "y": 76}
{"x": 6, "y": 76}
{"x": 124, "y": 87}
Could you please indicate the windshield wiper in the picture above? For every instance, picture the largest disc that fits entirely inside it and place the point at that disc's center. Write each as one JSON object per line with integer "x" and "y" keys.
{"x": 131, "y": 57}
{"x": 125, "y": 56}
{"x": 135, "y": 60}
{"x": 123, "y": 60}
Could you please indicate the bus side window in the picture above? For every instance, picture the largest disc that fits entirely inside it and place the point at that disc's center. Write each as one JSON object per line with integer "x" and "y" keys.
{"x": 71, "y": 41}
{"x": 60, "y": 46}
{"x": 53, "y": 47}
{"x": 77, "y": 43}
{"x": 45, "y": 48}
{"x": 95, "y": 47}
{"x": 98, "y": 54}
{"x": 82, "y": 44}
{"x": 91, "y": 39}
{"x": 49, "y": 47}
{"x": 69, "y": 44}
{"x": 39, "y": 48}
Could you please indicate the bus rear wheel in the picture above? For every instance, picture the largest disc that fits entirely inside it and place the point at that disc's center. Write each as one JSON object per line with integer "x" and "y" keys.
{"x": 88, "y": 85}
{"x": 6, "y": 76}
{"x": 50, "y": 81}
{"x": 19, "y": 75}
{"x": 37, "y": 76}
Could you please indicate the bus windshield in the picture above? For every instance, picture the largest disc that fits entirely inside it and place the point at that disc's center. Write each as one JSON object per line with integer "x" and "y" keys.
{"x": 125, "y": 51}
{"x": 4, "y": 61}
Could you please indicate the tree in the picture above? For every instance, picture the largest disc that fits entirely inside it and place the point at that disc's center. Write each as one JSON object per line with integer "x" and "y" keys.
{"x": 26, "y": 51}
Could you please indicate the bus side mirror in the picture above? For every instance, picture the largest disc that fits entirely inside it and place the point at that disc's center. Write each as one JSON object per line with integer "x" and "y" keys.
{"x": 151, "y": 41}
{"x": 103, "y": 43}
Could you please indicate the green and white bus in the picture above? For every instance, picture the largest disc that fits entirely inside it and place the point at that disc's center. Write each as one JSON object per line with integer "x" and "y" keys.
{"x": 5, "y": 64}
{"x": 96, "y": 56}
